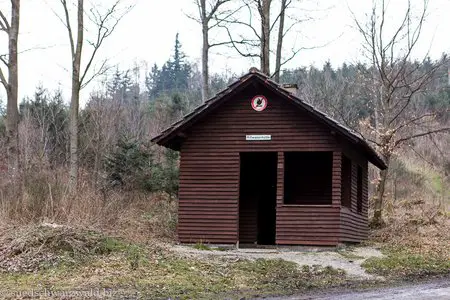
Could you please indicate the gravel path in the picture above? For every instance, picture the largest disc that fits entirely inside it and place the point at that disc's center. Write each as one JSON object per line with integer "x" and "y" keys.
{"x": 349, "y": 260}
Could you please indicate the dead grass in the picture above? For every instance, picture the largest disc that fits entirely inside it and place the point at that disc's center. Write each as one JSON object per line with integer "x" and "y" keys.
{"x": 415, "y": 241}
{"x": 416, "y": 236}
{"x": 409, "y": 226}
{"x": 412, "y": 250}
{"x": 43, "y": 198}
{"x": 35, "y": 248}
{"x": 417, "y": 207}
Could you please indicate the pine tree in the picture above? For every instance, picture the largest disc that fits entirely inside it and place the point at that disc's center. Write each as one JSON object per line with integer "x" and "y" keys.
{"x": 173, "y": 77}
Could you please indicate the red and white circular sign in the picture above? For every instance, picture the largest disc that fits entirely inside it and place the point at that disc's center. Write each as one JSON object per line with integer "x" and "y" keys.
{"x": 259, "y": 103}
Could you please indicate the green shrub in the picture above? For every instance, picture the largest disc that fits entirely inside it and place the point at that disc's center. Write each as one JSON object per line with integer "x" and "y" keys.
{"x": 165, "y": 174}
{"x": 131, "y": 165}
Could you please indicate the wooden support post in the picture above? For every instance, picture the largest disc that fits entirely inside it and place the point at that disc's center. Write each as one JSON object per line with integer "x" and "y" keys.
{"x": 280, "y": 179}
{"x": 280, "y": 189}
{"x": 336, "y": 179}
{"x": 354, "y": 187}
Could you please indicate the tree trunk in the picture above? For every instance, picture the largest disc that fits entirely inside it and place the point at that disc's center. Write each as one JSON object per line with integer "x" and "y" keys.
{"x": 265, "y": 36}
{"x": 73, "y": 128}
{"x": 380, "y": 187}
{"x": 280, "y": 42}
{"x": 12, "y": 111}
{"x": 75, "y": 100}
{"x": 205, "y": 53}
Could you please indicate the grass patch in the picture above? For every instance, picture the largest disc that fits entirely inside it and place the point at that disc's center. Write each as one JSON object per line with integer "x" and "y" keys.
{"x": 348, "y": 254}
{"x": 164, "y": 276}
{"x": 283, "y": 277}
{"x": 61, "y": 258}
{"x": 403, "y": 264}
{"x": 204, "y": 247}
{"x": 201, "y": 246}
{"x": 437, "y": 183}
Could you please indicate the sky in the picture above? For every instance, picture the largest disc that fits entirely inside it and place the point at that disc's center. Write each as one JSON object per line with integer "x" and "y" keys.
{"x": 146, "y": 36}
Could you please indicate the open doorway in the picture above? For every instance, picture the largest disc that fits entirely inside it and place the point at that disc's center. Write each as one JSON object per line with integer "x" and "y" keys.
{"x": 257, "y": 198}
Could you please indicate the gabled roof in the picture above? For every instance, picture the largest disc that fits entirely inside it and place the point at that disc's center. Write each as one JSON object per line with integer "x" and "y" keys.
{"x": 172, "y": 136}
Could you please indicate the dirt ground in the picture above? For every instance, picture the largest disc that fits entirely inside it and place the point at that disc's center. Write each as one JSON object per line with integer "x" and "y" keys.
{"x": 349, "y": 259}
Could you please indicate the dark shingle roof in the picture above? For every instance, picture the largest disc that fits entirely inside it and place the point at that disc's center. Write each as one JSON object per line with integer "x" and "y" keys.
{"x": 166, "y": 138}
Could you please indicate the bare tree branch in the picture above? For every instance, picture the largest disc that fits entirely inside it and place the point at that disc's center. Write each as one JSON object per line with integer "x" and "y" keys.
{"x": 4, "y": 24}
{"x": 103, "y": 69}
{"x": 205, "y": 15}
{"x": 404, "y": 139}
{"x": 66, "y": 23}
{"x": 242, "y": 42}
{"x": 103, "y": 32}
{"x": 4, "y": 60}
{"x": 3, "y": 80}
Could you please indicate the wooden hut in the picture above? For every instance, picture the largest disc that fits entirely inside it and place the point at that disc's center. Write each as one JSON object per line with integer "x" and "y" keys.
{"x": 260, "y": 166}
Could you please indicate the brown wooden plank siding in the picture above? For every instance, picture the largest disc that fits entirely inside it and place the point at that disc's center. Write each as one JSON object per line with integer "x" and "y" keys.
{"x": 280, "y": 180}
{"x": 209, "y": 169}
{"x": 354, "y": 224}
{"x": 336, "y": 179}
{"x": 248, "y": 219}
{"x": 207, "y": 198}
{"x": 210, "y": 166}
{"x": 307, "y": 225}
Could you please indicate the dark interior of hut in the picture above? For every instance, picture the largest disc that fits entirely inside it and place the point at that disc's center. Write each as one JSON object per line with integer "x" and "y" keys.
{"x": 257, "y": 203}
{"x": 307, "y": 178}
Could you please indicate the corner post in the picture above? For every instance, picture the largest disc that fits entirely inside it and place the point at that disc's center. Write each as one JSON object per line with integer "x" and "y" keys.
{"x": 280, "y": 190}
{"x": 336, "y": 179}
{"x": 280, "y": 179}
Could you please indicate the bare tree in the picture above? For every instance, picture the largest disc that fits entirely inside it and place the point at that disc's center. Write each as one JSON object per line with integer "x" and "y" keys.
{"x": 396, "y": 83}
{"x": 210, "y": 14}
{"x": 11, "y": 84}
{"x": 335, "y": 92}
{"x": 259, "y": 32}
{"x": 284, "y": 5}
{"x": 105, "y": 23}
{"x": 253, "y": 39}
{"x": 264, "y": 13}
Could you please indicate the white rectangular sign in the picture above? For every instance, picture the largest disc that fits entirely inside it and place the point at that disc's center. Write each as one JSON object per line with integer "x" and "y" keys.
{"x": 258, "y": 137}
